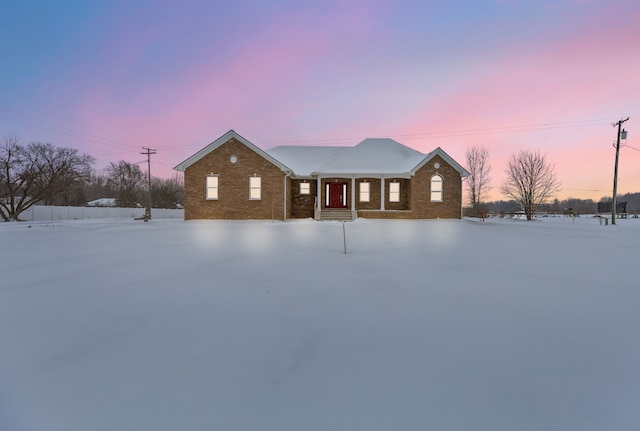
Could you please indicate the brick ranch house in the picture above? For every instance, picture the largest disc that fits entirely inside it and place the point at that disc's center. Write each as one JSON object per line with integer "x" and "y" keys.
{"x": 231, "y": 178}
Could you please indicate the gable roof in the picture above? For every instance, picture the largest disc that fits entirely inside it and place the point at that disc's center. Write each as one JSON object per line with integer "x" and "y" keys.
{"x": 223, "y": 139}
{"x": 440, "y": 152}
{"x": 305, "y": 160}
{"x": 376, "y": 156}
{"x": 373, "y": 156}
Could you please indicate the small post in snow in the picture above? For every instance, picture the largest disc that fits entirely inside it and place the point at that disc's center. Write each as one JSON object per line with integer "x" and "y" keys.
{"x": 344, "y": 238}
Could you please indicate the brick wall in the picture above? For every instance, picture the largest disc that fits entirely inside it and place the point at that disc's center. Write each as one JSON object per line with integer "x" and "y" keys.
{"x": 451, "y": 204}
{"x": 233, "y": 194}
{"x": 415, "y": 195}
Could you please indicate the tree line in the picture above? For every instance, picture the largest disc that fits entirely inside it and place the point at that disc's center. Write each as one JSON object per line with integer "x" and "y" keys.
{"x": 41, "y": 173}
{"x": 573, "y": 206}
{"x": 530, "y": 183}
{"x": 50, "y": 175}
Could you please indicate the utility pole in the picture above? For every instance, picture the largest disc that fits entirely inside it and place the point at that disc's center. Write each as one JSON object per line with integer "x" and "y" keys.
{"x": 147, "y": 211}
{"x": 615, "y": 172}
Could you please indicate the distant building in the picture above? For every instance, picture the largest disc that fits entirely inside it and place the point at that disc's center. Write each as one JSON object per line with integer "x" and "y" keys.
{"x": 102, "y": 202}
{"x": 605, "y": 207}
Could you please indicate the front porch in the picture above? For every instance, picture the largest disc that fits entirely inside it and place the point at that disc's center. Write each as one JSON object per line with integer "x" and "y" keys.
{"x": 345, "y": 198}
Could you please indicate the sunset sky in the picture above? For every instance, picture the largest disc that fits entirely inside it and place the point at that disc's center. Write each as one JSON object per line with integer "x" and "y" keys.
{"x": 109, "y": 77}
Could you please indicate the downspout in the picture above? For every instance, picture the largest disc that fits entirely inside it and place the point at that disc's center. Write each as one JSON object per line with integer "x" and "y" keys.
{"x": 284, "y": 217}
{"x": 462, "y": 198}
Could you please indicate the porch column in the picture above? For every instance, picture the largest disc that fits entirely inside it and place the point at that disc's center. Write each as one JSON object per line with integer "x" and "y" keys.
{"x": 319, "y": 195}
{"x": 353, "y": 194}
{"x": 382, "y": 193}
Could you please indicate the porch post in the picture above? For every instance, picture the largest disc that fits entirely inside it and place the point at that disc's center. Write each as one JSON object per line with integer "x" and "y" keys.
{"x": 382, "y": 193}
{"x": 353, "y": 194}
{"x": 319, "y": 195}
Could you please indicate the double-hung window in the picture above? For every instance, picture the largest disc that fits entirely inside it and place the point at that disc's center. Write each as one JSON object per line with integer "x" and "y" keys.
{"x": 211, "y": 192}
{"x": 305, "y": 188}
{"x": 436, "y": 188}
{"x": 394, "y": 192}
{"x": 365, "y": 191}
{"x": 255, "y": 188}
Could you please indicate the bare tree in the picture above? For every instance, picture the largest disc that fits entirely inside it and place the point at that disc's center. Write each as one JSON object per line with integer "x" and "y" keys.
{"x": 530, "y": 180}
{"x": 96, "y": 187}
{"x": 167, "y": 193}
{"x": 478, "y": 179}
{"x": 127, "y": 181}
{"x": 36, "y": 173}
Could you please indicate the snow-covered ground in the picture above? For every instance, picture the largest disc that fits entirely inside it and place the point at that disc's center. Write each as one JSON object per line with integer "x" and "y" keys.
{"x": 219, "y": 325}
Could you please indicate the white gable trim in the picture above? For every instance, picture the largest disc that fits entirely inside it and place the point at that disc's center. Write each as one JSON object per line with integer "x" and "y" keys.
{"x": 223, "y": 139}
{"x": 440, "y": 152}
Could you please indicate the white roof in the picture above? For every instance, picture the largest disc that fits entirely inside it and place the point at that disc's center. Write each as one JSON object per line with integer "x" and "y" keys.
{"x": 305, "y": 160}
{"x": 373, "y": 156}
{"x": 377, "y": 156}
{"x": 102, "y": 202}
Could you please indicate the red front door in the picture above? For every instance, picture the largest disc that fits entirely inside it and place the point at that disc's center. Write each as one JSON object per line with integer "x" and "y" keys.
{"x": 336, "y": 195}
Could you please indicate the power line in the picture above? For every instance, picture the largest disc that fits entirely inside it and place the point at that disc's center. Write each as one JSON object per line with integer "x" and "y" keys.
{"x": 454, "y": 133}
{"x": 69, "y": 131}
{"x": 88, "y": 137}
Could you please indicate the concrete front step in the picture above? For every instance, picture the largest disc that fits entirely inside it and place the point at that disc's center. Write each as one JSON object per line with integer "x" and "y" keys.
{"x": 336, "y": 215}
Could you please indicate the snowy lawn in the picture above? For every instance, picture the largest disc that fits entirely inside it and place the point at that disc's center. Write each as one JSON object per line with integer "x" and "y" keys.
{"x": 217, "y": 325}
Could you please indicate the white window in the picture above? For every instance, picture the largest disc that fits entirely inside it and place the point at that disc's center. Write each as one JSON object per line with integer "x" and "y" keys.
{"x": 255, "y": 188}
{"x": 211, "y": 192}
{"x": 305, "y": 188}
{"x": 436, "y": 188}
{"x": 394, "y": 192}
{"x": 365, "y": 191}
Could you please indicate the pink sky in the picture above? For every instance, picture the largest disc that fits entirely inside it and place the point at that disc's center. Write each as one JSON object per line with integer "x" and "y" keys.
{"x": 508, "y": 75}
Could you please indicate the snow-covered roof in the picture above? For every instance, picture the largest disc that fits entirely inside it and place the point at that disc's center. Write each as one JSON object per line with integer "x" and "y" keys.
{"x": 376, "y": 156}
{"x": 373, "y": 156}
{"x": 305, "y": 160}
{"x": 102, "y": 202}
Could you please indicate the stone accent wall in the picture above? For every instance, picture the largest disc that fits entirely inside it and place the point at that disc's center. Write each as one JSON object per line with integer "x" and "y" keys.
{"x": 374, "y": 194}
{"x": 394, "y": 214}
{"x": 233, "y": 193}
{"x": 302, "y": 205}
{"x": 405, "y": 195}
